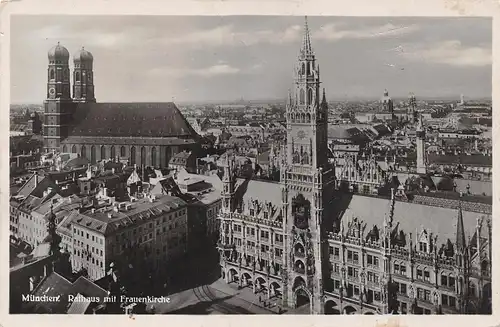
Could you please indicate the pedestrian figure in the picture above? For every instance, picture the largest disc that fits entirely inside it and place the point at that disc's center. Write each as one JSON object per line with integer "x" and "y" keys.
{"x": 260, "y": 299}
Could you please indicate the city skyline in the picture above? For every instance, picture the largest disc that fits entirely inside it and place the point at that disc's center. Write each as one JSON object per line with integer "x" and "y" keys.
{"x": 163, "y": 59}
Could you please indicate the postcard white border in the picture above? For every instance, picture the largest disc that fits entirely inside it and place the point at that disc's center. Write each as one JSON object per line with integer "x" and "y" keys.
{"x": 235, "y": 7}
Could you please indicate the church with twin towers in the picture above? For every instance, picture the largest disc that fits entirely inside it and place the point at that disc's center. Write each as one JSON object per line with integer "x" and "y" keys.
{"x": 145, "y": 133}
{"x": 303, "y": 244}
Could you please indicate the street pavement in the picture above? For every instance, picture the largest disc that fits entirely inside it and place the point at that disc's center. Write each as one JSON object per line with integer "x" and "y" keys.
{"x": 216, "y": 298}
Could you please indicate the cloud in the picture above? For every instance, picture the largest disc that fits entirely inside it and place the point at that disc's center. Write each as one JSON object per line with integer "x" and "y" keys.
{"x": 334, "y": 32}
{"x": 210, "y": 71}
{"x": 228, "y": 36}
{"x": 90, "y": 37}
{"x": 451, "y": 52}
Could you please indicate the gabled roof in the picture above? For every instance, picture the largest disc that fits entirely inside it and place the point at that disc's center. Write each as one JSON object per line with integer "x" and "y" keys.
{"x": 412, "y": 217}
{"x": 130, "y": 120}
{"x": 56, "y": 285}
{"x": 250, "y": 189}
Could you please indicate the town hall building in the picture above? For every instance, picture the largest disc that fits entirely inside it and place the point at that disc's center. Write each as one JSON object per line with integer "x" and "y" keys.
{"x": 301, "y": 243}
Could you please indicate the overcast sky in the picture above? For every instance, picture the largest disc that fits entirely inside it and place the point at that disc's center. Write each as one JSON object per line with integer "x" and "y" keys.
{"x": 160, "y": 58}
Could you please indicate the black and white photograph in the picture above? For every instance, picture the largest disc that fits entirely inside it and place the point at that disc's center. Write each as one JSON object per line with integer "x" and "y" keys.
{"x": 235, "y": 165}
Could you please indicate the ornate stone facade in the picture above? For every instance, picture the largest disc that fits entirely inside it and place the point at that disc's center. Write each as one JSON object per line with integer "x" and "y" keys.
{"x": 297, "y": 242}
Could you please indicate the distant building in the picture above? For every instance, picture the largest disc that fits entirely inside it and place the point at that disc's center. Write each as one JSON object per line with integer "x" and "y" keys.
{"x": 183, "y": 160}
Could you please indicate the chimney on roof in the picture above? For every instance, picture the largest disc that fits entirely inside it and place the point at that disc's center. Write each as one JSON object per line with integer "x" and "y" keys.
{"x": 92, "y": 210}
{"x": 110, "y": 215}
{"x": 113, "y": 171}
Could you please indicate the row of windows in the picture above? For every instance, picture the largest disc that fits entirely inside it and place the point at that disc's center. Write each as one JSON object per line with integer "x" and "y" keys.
{"x": 354, "y": 290}
{"x": 123, "y": 150}
{"x": 80, "y": 232}
{"x": 88, "y": 257}
{"x": 353, "y": 256}
{"x": 146, "y": 228}
{"x": 263, "y": 233}
{"x": 263, "y": 248}
{"x": 92, "y": 249}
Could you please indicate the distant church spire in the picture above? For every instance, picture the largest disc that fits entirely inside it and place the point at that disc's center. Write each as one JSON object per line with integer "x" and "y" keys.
{"x": 306, "y": 42}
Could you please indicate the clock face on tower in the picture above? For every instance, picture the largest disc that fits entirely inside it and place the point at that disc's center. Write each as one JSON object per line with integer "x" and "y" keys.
{"x": 52, "y": 91}
{"x": 301, "y": 134}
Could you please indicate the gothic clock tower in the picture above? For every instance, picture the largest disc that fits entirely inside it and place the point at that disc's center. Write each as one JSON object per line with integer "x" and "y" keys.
{"x": 307, "y": 184}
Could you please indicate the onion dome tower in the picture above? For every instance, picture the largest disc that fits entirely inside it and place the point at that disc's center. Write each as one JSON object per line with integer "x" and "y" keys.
{"x": 83, "y": 76}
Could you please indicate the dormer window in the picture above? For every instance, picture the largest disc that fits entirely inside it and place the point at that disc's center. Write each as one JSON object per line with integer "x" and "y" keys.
{"x": 423, "y": 247}
{"x": 266, "y": 215}
{"x": 252, "y": 212}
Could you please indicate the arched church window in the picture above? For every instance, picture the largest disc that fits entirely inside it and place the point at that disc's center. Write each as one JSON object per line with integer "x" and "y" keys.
{"x": 153, "y": 156}
{"x": 309, "y": 96}
{"x": 167, "y": 155}
{"x": 103, "y": 152}
{"x": 77, "y": 76}
{"x": 92, "y": 154}
{"x": 73, "y": 149}
{"x": 302, "y": 96}
{"x": 303, "y": 70}
{"x": 132, "y": 155}
{"x": 122, "y": 151}
{"x": 51, "y": 73}
{"x": 83, "y": 151}
{"x": 143, "y": 156}
{"x": 64, "y": 149}
{"x": 113, "y": 152}
{"x": 308, "y": 68}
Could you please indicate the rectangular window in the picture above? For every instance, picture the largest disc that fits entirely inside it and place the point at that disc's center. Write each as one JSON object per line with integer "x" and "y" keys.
{"x": 419, "y": 274}
{"x": 355, "y": 257}
{"x": 337, "y": 252}
{"x": 444, "y": 299}
{"x": 427, "y": 295}
{"x": 404, "y": 308}
{"x": 330, "y": 250}
{"x": 349, "y": 255}
{"x": 427, "y": 276}
{"x": 402, "y": 289}
{"x": 420, "y": 294}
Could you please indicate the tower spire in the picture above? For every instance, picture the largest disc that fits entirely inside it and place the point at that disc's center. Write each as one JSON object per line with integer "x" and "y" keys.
{"x": 306, "y": 42}
{"x": 460, "y": 242}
